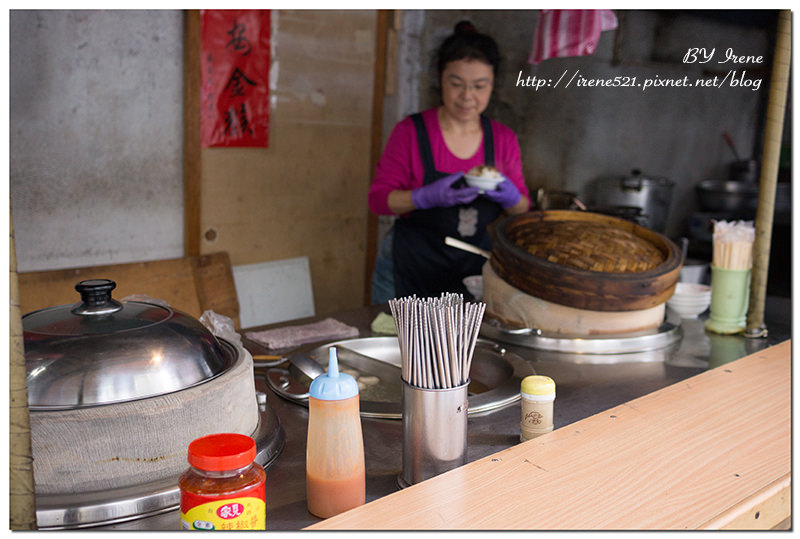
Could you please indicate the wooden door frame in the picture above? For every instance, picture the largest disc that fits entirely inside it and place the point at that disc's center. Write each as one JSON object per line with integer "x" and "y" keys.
{"x": 376, "y": 145}
{"x": 192, "y": 154}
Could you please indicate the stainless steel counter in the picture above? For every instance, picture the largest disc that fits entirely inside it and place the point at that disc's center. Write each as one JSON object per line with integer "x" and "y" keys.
{"x": 582, "y": 389}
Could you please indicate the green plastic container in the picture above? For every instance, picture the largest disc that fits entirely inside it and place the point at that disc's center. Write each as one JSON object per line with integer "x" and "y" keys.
{"x": 730, "y": 299}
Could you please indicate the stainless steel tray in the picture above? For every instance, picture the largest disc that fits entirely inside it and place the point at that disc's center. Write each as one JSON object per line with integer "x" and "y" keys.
{"x": 495, "y": 375}
{"x": 616, "y": 348}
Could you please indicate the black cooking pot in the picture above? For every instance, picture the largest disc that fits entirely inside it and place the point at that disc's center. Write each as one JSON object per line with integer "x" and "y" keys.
{"x": 745, "y": 170}
{"x": 727, "y": 196}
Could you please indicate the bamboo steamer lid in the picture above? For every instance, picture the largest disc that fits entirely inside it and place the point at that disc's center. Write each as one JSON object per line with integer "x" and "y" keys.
{"x": 586, "y": 260}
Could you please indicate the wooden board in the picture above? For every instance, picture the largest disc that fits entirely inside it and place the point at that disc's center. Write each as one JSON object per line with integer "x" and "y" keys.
{"x": 305, "y": 195}
{"x": 701, "y": 454}
{"x": 191, "y": 284}
{"x": 216, "y": 289}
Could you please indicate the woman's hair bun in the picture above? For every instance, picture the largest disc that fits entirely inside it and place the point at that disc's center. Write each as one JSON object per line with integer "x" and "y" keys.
{"x": 465, "y": 27}
{"x": 466, "y": 43}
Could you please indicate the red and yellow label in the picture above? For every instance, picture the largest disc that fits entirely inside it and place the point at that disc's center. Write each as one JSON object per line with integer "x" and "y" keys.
{"x": 247, "y": 512}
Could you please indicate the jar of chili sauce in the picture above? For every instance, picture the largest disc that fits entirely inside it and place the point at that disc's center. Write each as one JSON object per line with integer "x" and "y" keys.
{"x": 224, "y": 488}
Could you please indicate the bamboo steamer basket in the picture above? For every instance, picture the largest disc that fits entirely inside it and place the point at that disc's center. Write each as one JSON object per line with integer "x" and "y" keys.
{"x": 586, "y": 260}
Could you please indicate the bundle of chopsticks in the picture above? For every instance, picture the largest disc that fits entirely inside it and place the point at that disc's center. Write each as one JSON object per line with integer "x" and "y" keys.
{"x": 437, "y": 338}
{"x": 733, "y": 244}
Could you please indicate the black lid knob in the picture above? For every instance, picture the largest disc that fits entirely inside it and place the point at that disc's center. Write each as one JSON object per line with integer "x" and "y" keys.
{"x": 96, "y": 298}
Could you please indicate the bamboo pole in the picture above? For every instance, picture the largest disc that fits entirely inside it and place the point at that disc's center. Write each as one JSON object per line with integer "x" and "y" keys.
{"x": 773, "y": 132}
{"x": 21, "y": 500}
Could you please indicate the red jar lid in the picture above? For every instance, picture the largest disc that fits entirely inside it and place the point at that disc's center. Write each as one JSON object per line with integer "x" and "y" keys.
{"x": 220, "y": 452}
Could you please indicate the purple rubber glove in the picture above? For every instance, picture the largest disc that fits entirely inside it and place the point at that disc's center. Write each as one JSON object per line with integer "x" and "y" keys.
{"x": 441, "y": 194}
{"x": 506, "y": 194}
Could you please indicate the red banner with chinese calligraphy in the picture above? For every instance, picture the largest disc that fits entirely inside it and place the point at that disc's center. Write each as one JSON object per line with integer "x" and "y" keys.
{"x": 235, "y": 58}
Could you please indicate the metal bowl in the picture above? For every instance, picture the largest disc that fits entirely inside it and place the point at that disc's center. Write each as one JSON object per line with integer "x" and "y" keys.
{"x": 101, "y": 351}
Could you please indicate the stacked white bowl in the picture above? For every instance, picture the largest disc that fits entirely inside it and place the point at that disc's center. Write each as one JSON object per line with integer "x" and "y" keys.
{"x": 474, "y": 284}
{"x": 690, "y": 299}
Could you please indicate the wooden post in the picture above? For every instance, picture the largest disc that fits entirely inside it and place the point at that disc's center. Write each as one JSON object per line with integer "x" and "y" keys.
{"x": 773, "y": 132}
{"x": 379, "y": 86}
{"x": 21, "y": 499}
{"x": 192, "y": 154}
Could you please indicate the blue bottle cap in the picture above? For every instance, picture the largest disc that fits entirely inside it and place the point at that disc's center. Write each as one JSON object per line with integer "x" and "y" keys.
{"x": 333, "y": 385}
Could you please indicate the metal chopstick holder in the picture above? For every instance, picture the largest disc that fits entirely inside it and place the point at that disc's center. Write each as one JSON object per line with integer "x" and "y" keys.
{"x": 437, "y": 338}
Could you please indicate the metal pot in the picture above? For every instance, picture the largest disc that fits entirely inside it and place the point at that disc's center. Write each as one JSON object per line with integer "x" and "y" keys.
{"x": 652, "y": 194}
{"x": 549, "y": 199}
{"x": 727, "y": 196}
{"x": 745, "y": 170}
{"x": 102, "y": 351}
{"x": 633, "y": 214}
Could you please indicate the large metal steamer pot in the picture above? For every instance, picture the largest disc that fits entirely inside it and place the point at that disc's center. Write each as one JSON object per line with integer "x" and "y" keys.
{"x": 652, "y": 194}
{"x": 116, "y": 392}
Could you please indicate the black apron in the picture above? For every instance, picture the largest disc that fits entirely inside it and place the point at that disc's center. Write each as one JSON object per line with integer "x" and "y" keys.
{"x": 423, "y": 264}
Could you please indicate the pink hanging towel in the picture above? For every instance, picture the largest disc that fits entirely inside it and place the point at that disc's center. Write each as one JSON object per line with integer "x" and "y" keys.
{"x": 569, "y": 32}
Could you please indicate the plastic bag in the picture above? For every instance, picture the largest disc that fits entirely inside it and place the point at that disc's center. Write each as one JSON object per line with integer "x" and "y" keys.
{"x": 221, "y": 326}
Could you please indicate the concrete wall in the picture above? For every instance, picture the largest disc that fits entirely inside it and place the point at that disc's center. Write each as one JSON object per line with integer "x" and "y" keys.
{"x": 570, "y": 137}
{"x": 97, "y": 147}
{"x": 96, "y": 130}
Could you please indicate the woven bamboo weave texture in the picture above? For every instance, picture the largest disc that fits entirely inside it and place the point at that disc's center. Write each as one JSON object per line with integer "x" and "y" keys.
{"x": 588, "y": 246}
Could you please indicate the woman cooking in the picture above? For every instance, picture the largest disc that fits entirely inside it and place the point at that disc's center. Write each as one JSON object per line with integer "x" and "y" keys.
{"x": 419, "y": 176}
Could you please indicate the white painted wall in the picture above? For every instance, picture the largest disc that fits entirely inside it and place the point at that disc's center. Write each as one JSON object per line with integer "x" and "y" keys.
{"x": 96, "y": 130}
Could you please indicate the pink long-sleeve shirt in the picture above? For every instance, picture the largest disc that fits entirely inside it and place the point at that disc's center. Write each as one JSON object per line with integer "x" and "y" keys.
{"x": 400, "y": 166}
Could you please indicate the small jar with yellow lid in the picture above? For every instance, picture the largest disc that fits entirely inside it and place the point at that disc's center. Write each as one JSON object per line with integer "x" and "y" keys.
{"x": 538, "y": 394}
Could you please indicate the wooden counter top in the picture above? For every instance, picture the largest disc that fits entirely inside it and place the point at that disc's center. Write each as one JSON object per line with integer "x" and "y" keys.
{"x": 712, "y": 451}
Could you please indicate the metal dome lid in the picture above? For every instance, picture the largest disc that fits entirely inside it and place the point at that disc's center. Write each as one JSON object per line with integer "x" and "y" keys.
{"x": 102, "y": 351}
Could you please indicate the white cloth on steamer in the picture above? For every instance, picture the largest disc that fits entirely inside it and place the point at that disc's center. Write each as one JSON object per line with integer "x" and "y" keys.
{"x": 515, "y": 308}
{"x": 113, "y": 446}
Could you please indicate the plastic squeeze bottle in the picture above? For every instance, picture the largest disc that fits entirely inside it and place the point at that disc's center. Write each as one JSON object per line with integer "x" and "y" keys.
{"x": 335, "y": 477}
